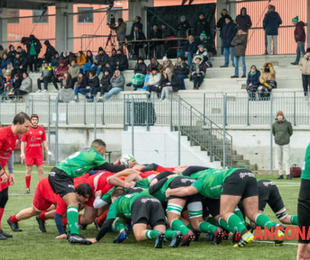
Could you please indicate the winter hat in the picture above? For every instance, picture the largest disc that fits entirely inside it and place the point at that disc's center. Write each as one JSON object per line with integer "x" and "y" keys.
{"x": 183, "y": 16}
{"x": 165, "y": 58}
{"x": 280, "y": 113}
{"x": 203, "y": 35}
{"x": 197, "y": 57}
{"x": 200, "y": 46}
{"x": 295, "y": 19}
{"x": 100, "y": 49}
{"x": 308, "y": 50}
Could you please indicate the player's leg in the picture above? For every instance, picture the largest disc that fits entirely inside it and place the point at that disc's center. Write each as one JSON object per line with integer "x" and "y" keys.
{"x": 40, "y": 170}
{"x": 120, "y": 226}
{"x": 28, "y": 178}
{"x": 44, "y": 215}
{"x": 89, "y": 215}
{"x": 4, "y": 196}
{"x": 72, "y": 212}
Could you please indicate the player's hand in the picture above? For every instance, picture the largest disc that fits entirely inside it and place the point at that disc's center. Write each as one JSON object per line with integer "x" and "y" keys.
{"x": 168, "y": 193}
{"x": 131, "y": 164}
{"x": 4, "y": 178}
{"x": 93, "y": 240}
{"x": 129, "y": 185}
{"x": 61, "y": 236}
{"x": 22, "y": 156}
{"x": 50, "y": 154}
{"x": 12, "y": 179}
{"x": 172, "y": 175}
{"x": 98, "y": 193}
{"x": 118, "y": 161}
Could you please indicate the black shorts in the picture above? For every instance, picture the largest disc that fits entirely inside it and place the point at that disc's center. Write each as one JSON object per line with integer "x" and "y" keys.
{"x": 147, "y": 210}
{"x": 183, "y": 182}
{"x": 269, "y": 193}
{"x": 304, "y": 209}
{"x": 60, "y": 182}
{"x": 211, "y": 207}
{"x": 241, "y": 183}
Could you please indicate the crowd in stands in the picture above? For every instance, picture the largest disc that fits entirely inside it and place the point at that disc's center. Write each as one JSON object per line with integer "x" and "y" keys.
{"x": 74, "y": 74}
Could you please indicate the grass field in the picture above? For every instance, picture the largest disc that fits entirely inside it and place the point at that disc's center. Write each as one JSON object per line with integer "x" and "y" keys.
{"x": 32, "y": 244}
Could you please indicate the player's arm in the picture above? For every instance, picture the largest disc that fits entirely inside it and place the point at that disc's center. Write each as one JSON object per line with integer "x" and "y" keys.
{"x": 104, "y": 229}
{"x": 22, "y": 150}
{"x": 45, "y": 145}
{"x": 157, "y": 186}
{"x": 182, "y": 191}
{"x": 133, "y": 177}
{"x": 115, "y": 179}
{"x": 193, "y": 169}
{"x": 162, "y": 175}
{"x": 58, "y": 221}
{"x": 100, "y": 202}
{"x": 110, "y": 167}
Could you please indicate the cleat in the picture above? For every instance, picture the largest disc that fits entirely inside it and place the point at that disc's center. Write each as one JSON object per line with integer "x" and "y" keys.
{"x": 197, "y": 236}
{"x": 217, "y": 236}
{"x": 159, "y": 240}
{"x": 5, "y": 234}
{"x": 122, "y": 235}
{"x": 225, "y": 235}
{"x": 14, "y": 226}
{"x": 83, "y": 227}
{"x": 245, "y": 239}
{"x": 236, "y": 237}
{"x": 77, "y": 239}
{"x": 27, "y": 191}
{"x": 97, "y": 225}
{"x": 280, "y": 235}
{"x": 176, "y": 240}
{"x": 41, "y": 224}
{"x": 187, "y": 238}
{"x": 2, "y": 237}
{"x": 280, "y": 177}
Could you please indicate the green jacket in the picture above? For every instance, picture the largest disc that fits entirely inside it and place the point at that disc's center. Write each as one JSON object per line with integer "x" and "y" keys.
{"x": 282, "y": 130}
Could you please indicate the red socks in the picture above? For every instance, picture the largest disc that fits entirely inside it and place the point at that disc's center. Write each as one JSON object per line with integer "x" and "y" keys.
{"x": 14, "y": 219}
{"x": 28, "y": 180}
{"x": 1, "y": 214}
{"x": 42, "y": 215}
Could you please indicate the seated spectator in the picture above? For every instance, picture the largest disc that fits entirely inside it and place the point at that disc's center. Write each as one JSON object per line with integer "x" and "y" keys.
{"x": 89, "y": 57}
{"x": 153, "y": 64}
{"x": 122, "y": 61}
{"x": 66, "y": 93}
{"x": 7, "y": 73}
{"x": 67, "y": 81}
{"x": 81, "y": 86}
{"x": 46, "y": 77}
{"x": 5, "y": 61}
{"x": 181, "y": 69}
{"x": 117, "y": 83}
{"x": 15, "y": 86}
{"x": 101, "y": 59}
{"x": 11, "y": 53}
{"x": 55, "y": 61}
{"x": 167, "y": 65}
{"x": 252, "y": 83}
{"x": 202, "y": 51}
{"x": 267, "y": 80}
{"x": 169, "y": 83}
{"x": 93, "y": 84}
{"x": 153, "y": 83}
{"x": 19, "y": 65}
{"x": 135, "y": 47}
{"x": 113, "y": 60}
{"x": 190, "y": 47}
{"x": 74, "y": 71}
{"x": 50, "y": 52}
{"x": 105, "y": 82}
{"x": 197, "y": 71}
{"x": 72, "y": 57}
{"x": 65, "y": 56}
{"x": 140, "y": 71}
{"x": 25, "y": 88}
{"x": 81, "y": 59}
{"x": 59, "y": 73}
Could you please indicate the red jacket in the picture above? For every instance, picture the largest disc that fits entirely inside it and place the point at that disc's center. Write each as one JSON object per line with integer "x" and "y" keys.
{"x": 299, "y": 33}
{"x": 60, "y": 71}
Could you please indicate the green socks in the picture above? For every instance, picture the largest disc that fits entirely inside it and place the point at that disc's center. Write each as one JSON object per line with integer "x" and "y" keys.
{"x": 169, "y": 234}
{"x": 206, "y": 227}
{"x": 119, "y": 225}
{"x": 151, "y": 234}
{"x": 240, "y": 215}
{"x": 73, "y": 219}
{"x": 235, "y": 223}
{"x": 223, "y": 224}
{"x": 294, "y": 219}
{"x": 263, "y": 221}
{"x": 177, "y": 224}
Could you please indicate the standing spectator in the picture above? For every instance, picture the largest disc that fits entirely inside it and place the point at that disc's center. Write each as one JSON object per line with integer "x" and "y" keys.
{"x": 183, "y": 27}
{"x": 136, "y": 35}
{"x": 139, "y": 74}
{"x": 304, "y": 66}
{"x": 81, "y": 59}
{"x": 300, "y": 38}
{"x": 272, "y": 22}
{"x": 101, "y": 59}
{"x": 197, "y": 71}
{"x": 33, "y": 48}
{"x": 220, "y": 24}
{"x": 243, "y": 20}
{"x": 2, "y": 51}
{"x": 282, "y": 131}
{"x": 120, "y": 33}
{"x": 46, "y": 77}
{"x": 50, "y": 51}
{"x": 169, "y": 83}
{"x": 165, "y": 45}
{"x": 105, "y": 82}
{"x": 267, "y": 80}
{"x": 25, "y": 88}
{"x": 117, "y": 83}
{"x": 74, "y": 71}
{"x": 154, "y": 80}
{"x": 181, "y": 69}
{"x": 55, "y": 61}
{"x": 239, "y": 42}
{"x": 190, "y": 47}
{"x": 228, "y": 33}
{"x": 136, "y": 23}
{"x": 201, "y": 26}
{"x": 59, "y": 73}
{"x": 155, "y": 33}
{"x": 252, "y": 83}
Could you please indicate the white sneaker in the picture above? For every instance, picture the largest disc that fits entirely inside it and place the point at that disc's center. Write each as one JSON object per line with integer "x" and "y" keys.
{"x": 44, "y": 90}
{"x": 39, "y": 90}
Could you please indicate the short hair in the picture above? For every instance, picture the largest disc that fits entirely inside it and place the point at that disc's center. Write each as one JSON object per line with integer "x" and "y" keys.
{"x": 139, "y": 18}
{"x": 34, "y": 116}
{"x": 118, "y": 192}
{"x": 98, "y": 142}
{"x": 85, "y": 190}
{"x": 20, "y": 118}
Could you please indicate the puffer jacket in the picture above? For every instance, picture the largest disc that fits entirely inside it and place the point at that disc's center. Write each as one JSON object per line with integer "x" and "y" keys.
{"x": 81, "y": 60}
{"x": 118, "y": 82}
{"x": 304, "y": 65}
{"x": 26, "y": 85}
{"x": 181, "y": 68}
{"x": 243, "y": 21}
{"x": 299, "y": 32}
{"x": 140, "y": 68}
{"x": 74, "y": 71}
{"x": 282, "y": 131}
{"x": 267, "y": 75}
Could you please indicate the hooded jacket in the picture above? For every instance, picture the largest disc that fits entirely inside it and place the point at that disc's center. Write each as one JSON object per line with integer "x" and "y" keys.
{"x": 119, "y": 81}
{"x": 102, "y": 59}
{"x": 197, "y": 69}
{"x": 181, "y": 68}
{"x": 60, "y": 71}
{"x": 11, "y": 52}
{"x": 221, "y": 22}
{"x": 299, "y": 32}
{"x": 50, "y": 51}
{"x": 282, "y": 131}
{"x": 243, "y": 21}
{"x": 200, "y": 26}
{"x": 26, "y": 85}
{"x": 254, "y": 79}
{"x": 304, "y": 65}
{"x": 36, "y": 43}
{"x": 272, "y": 22}
{"x": 228, "y": 33}
{"x": 140, "y": 68}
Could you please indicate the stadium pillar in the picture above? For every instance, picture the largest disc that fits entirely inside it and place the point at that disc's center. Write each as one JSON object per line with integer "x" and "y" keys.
{"x": 137, "y": 8}
{"x": 308, "y": 24}
{"x": 4, "y": 28}
{"x": 64, "y": 26}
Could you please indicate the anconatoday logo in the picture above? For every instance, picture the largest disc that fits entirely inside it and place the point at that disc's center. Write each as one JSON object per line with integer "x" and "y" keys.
{"x": 290, "y": 233}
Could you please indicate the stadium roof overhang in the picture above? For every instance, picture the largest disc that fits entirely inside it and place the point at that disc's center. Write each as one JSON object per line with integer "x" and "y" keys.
{"x": 41, "y": 4}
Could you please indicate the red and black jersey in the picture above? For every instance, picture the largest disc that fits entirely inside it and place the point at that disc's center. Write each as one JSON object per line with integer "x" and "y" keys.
{"x": 34, "y": 138}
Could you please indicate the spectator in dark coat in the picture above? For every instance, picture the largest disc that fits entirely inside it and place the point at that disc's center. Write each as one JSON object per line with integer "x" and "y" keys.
{"x": 201, "y": 26}
{"x": 81, "y": 86}
{"x": 101, "y": 59}
{"x": 165, "y": 45}
{"x": 181, "y": 69}
{"x": 33, "y": 48}
{"x": 55, "y": 60}
{"x": 155, "y": 33}
{"x": 140, "y": 71}
{"x": 93, "y": 84}
{"x": 229, "y": 32}
{"x": 300, "y": 38}
{"x": 89, "y": 57}
{"x": 19, "y": 65}
{"x": 50, "y": 51}
{"x": 5, "y": 61}
{"x": 252, "y": 82}
{"x": 11, "y": 53}
{"x": 121, "y": 61}
{"x": 136, "y": 34}
{"x": 220, "y": 25}
{"x": 183, "y": 26}
{"x": 243, "y": 20}
{"x": 153, "y": 64}
{"x": 46, "y": 77}
{"x": 137, "y": 23}
{"x": 272, "y": 22}
{"x": 239, "y": 42}
{"x": 105, "y": 82}
{"x": 190, "y": 47}
{"x": 197, "y": 71}
{"x": 65, "y": 56}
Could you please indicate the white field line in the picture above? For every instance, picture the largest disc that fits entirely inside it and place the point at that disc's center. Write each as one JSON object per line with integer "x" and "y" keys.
{"x": 271, "y": 242}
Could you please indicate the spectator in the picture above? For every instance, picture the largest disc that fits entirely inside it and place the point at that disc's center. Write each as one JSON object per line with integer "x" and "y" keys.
{"x": 190, "y": 47}
{"x": 136, "y": 23}
{"x": 46, "y": 77}
{"x": 252, "y": 83}
{"x": 243, "y": 20}
{"x": 101, "y": 59}
{"x": 19, "y": 65}
{"x": 55, "y": 61}
{"x": 220, "y": 24}
{"x": 117, "y": 83}
{"x": 120, "y": 33}
{"x": 59, "y": 73}
{"x": 74, "y": 71}
{"x": 105, "y": 82}
{"x": 169, "y": 83}
{"x": 25, "y": 88}
{"x": 65, "y": 56}
{"x": 300, "y": 38}
{"x": 267, "y": 80}
{"x": 71, "y": 57}
{"x": 81, "y": 59}
{"x": 66, "y": 93}
{"x": 181, "y": 69}
{"x": 33, "y": 48}
{"x": 201, "y": 26}
{"x": 239, "y": 42}
{"x": 139, "y": 74}
{"x": 183, "y": 27}
{"x": 304, "y": 66}
{"x": 165, "y": 45}
{"x": 272, "y": 22}
{"x": 136, "y": 35}
{"x": 154, "y": 80}
{"x": 121, "y": 61}
{"x": 155, "y": 48}
{"x": 50, "y": 52}
{"x": 282, "y": 131}
{"x": 197, "y": 71}
{"x": 2, "y": 51}
{"x": 93, "y": 84}
{"x": 11, "y": 53}
{"x": 202, "y": 51}
{"x": 153, "y": 64}
{"x": 89, "y": 57}
{"x": 228, "y": 33}
{"x": 167, "y": 65}
{"x": 2, "y": 87}
{"x": 25, "y": 57}
{"x": 16, "y": 84}
{"x": 7, "y": 73}
{"x": 22, "y": 52}
{"x": 81, "y": 86}
{"x": 67, "y": 81}
{"x": 5, "y": 61}
{"x": 113, "y": 60}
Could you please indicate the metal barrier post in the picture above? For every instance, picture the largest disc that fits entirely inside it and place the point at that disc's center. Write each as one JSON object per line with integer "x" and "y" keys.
{"x": 179, "y": 131}
{"x": 248, "y": 112}
{"x": 49, "y": 125}
{"x": 191, "y": 127}
{"x": 56, "y": 132}
{"x": 271, "y": 136}
{"x": 295, "y": 123}
{"x": 95, "y": 118}
{"x": 125, "y": 127}
{"x": 211, "y": 144}
{"x": 67, "y": 113}
{"x": 132, "y": 127}
{"x": 171, "y": 125}
{"x": 225, "y": 109}
{"x": 102, "y": 118}
{"x": 204, "y": 108}
{"x": 147, "y": 114}
{"x": 224, "y": 132}
{"x": 85, "y": 123}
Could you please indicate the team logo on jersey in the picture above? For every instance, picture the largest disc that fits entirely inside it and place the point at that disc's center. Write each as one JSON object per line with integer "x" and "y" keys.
{"x": 32, "y": 139}
{"x": 40, "y": 132}
{"x": 7, "y": 151}
{"x": 267, "y": 183}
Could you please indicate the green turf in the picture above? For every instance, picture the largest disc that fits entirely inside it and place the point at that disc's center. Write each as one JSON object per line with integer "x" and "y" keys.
{"x": 32, "y": 244}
